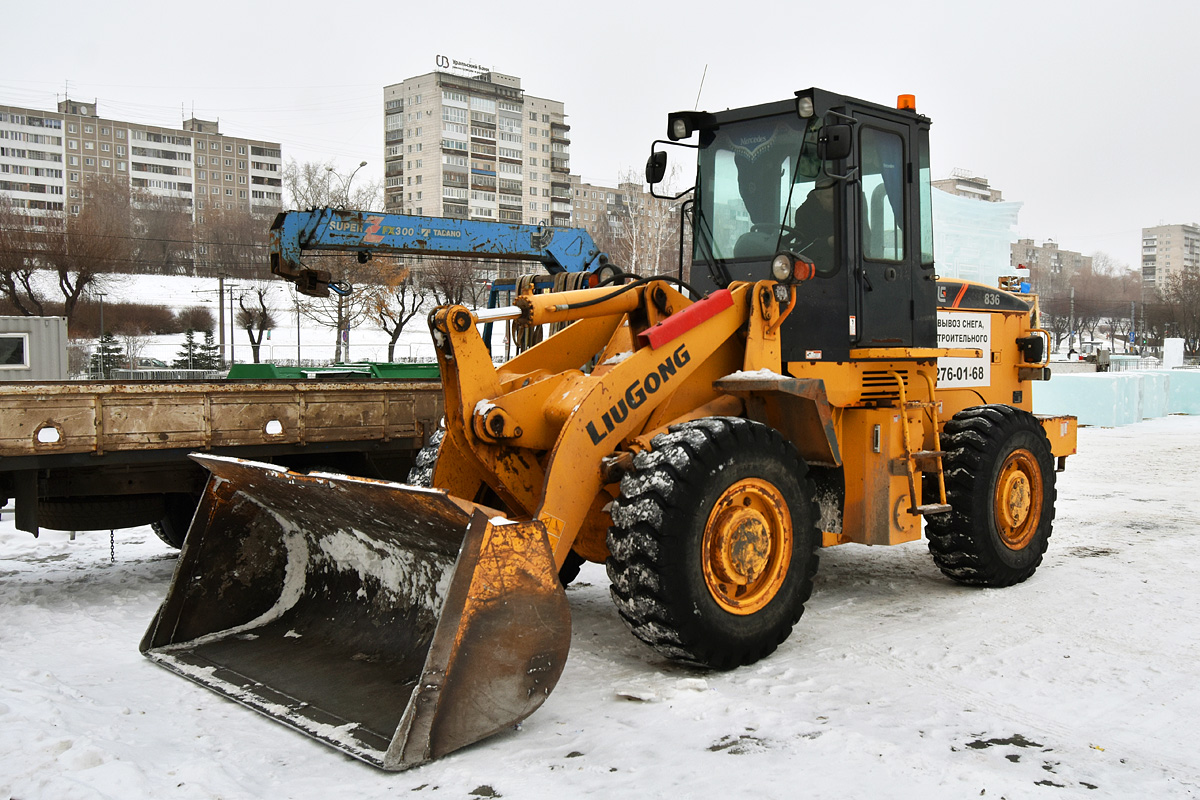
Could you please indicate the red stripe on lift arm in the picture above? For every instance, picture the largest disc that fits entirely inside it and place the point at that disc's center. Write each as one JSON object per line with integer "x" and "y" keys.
{"x": 958, "y": 297}
{"x": 676, "y": 325}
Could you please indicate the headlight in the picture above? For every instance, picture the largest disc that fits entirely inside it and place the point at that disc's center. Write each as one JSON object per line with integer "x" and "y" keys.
{"x": 781, "y": 267}
{"x": 679, "y": 129}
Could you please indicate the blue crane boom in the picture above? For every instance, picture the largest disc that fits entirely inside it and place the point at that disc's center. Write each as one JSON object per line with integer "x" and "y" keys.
{"x": 366, "y": 232}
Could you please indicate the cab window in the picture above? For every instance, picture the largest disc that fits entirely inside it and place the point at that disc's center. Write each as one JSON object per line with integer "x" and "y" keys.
{"x": 882, "y": 195}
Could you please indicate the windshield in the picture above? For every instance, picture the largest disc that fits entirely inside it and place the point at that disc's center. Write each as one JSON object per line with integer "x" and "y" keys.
{"x": 754, "y": 180}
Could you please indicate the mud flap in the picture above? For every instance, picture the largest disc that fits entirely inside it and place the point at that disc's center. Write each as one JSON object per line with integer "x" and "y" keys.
{"x": 394, "y": 623}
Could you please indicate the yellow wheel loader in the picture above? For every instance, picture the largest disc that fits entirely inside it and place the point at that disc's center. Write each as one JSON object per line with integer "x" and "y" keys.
{"x": 814, "y": 384}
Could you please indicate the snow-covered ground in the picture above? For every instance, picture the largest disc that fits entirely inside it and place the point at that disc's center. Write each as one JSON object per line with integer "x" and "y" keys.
{"x": 1082, "y": 682}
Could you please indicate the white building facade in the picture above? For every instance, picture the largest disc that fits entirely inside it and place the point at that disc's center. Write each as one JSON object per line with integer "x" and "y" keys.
{"x": 470, "y": 144}
{"x": 46, "y": 157}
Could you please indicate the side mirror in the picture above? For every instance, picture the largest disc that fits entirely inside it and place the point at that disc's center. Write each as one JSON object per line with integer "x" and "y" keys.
{"x": 656, "y": 167}
{"x": 834, "y": 143}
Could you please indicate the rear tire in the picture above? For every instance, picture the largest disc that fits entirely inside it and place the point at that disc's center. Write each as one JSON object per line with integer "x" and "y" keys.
{"x": 1000, "y": 486}
{"x": 714, "y": 542}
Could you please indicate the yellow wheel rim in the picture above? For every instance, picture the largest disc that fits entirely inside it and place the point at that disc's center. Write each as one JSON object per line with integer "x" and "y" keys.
{"x": 747, "y": 546}
{"x": 1018, "y": 501}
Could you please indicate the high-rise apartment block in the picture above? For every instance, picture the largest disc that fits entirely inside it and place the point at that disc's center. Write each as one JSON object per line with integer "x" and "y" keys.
{"x": 1168, "y": 250}
{"x": 471, "y": 144}
{"x": 46, "y": 158}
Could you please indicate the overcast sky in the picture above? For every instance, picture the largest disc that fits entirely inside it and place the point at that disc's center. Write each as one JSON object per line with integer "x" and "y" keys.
{"x": 1087, "y": 112}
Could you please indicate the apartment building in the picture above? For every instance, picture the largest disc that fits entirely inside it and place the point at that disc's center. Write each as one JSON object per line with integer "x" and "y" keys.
{"x": 639, "y": 231}
{"x": 46, "y": 158}
{"x": 1168, "y": 250}
{"x": 965, "y": 183}
{"x": 1050, "y": 266}
{"x": 471, "y": 144}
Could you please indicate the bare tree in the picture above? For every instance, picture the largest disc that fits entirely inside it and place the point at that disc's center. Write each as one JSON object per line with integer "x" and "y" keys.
{"x": 233, "y": 243}
{"x": 640, "y": 232}
{"x": 195, "y": 318}
{"x": 398, "y": 297}
{"x": 313, "y": 184}
{"x": 163, "y": 229}
{"x": 135, "y": 342}
{"x": 19, "y": 260}
{"x": 257, "y": 318}
{"x": 1181, "y": 294}
{"x": 95, "y": 242}
{"x": 341, "y": 312}
{"x": 452, "y": 280}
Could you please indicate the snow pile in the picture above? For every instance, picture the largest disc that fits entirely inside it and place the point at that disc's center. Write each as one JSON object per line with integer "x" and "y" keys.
{"x": 896, "y": 683}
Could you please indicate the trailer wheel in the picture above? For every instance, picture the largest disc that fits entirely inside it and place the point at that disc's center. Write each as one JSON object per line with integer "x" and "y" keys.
{"x": 176, "y": 518}
{"x": 714, "y": 542}
{"x": 1000, "y": 486}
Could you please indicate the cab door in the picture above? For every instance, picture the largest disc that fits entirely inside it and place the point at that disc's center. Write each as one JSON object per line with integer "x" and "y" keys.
{"x": 888, "y": 233}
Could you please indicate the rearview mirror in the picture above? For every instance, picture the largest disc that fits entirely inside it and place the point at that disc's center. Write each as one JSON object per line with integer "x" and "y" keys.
{"x": 656, "y": 167}
{"x": 834, "y": 143}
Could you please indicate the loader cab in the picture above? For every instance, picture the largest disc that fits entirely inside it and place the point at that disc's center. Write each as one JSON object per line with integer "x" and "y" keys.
{"x": 825, "y": 178}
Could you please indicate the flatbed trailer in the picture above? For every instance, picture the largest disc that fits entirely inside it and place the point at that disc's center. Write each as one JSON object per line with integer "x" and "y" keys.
{"x": 100, "y": 455}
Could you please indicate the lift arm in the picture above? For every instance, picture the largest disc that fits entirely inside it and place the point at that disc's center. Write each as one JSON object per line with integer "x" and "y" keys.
{"x": 365, "y": 232}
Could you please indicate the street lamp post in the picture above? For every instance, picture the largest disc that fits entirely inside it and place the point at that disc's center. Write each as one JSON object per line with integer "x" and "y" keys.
{"x": 232, "y": 327}
{"x": 100, "y": 339}
{"x": 345, "y": 199}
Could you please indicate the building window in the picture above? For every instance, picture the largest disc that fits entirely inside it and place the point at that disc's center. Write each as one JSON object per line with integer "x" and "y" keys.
{"x": 88, "y": 129}
{"x": 105, "y": 147}
{"x": 72, "y": 144}
{"x": 533, "y": 118}
{"x": 229, "y": 177}
{"x": 71, "y": 128}
{"x": 120, "y": 134}
{"x": 228, "y": 148}
{"x": 241, "y": 149}
{"x": 14, "y": 351}
{"x": 89, "y": 162}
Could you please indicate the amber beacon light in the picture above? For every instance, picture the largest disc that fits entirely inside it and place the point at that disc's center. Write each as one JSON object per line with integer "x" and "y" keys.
{"x": 906, "y": 102}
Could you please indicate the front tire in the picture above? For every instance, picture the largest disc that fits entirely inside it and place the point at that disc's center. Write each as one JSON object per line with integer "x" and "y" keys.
{"x": 1000, "y": 486}
{"x": 714, "y": 542}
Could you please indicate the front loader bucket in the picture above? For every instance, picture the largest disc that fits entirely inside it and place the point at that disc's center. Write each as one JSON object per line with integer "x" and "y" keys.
{"x": 397, "y": 624}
